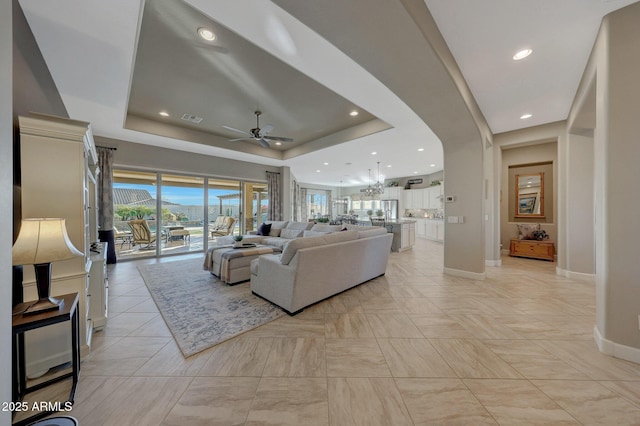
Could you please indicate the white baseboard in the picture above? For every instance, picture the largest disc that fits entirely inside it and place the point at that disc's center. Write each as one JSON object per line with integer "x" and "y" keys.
{"x": 42, "y": 365}
{"x": 616, "y": 350}
{"x": 576, "y": 275}
{"x": 496, "y": 263}
{"x": 465, "y": 274}
{"x": 505, "y": 252}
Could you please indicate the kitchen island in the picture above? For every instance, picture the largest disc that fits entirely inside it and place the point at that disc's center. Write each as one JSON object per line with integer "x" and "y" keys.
{"x": 404, "y": 233}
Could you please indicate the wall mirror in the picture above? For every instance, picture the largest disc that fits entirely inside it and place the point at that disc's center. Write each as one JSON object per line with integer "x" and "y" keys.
{"x": 530, "y": 195}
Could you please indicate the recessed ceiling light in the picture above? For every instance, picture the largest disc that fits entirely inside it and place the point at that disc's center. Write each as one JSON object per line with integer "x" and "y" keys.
{"x": 388, "y": 165}
{"x": 325, "y": 163}
{"x": 353, "y": 113}
{"x": 373, "y": 153}
{"x": 420, "y": 149}
{"x": 522, "y": 54}
{"x": 317, "y": 171}
{"x": 432, "y": 165}
{"x": 206, "y": 34}
{"x": 278, "y": 143}
{"x": 525, "y": 116}
{"x": 415, "y": 173}
{"x": 164, "y": 113}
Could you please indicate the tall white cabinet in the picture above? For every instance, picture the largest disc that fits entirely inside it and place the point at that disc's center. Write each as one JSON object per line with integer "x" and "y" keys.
{"x": 58, "y": 168}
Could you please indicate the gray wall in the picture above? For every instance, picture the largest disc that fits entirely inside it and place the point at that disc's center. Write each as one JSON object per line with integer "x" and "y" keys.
{"x": 6, "y": 203}
{"x": 616, "y": 178}
{"x": 129, "y": 154}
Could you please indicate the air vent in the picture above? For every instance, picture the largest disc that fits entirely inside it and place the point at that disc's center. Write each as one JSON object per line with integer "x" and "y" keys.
{"x": 192, "y": 118}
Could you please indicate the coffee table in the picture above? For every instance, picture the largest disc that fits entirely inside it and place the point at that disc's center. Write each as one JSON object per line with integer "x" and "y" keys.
{"x": 231, "y": 264}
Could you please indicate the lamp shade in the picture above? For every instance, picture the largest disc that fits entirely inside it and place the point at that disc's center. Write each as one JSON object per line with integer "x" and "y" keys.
{"x": 42, "y": 240}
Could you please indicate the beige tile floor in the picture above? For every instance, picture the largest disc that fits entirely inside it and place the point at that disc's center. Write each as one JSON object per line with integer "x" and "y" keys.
{"x": 412, "y": 347}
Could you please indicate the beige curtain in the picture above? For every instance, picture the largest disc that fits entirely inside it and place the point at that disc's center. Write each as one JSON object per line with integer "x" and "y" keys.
{"x": 275, "y": 203}
{"x": 105, "y": 200}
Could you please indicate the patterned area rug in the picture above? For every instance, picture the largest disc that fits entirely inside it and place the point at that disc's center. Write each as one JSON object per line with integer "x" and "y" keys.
{"x": 200, "y": 310}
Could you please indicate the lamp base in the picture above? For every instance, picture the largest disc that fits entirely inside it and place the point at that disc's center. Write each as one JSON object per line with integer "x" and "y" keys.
{"x": 44, "y": 305}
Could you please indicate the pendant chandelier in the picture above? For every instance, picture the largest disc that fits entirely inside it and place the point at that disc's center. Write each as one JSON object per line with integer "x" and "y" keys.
{"x": 369, "y": 191}
{"x": 378, "y": 187}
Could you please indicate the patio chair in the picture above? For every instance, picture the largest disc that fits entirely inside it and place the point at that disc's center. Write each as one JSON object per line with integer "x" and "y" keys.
{"x": 123, "y": 236}
{"x": 141, "y": 233}
{"x": 225, "y": 229}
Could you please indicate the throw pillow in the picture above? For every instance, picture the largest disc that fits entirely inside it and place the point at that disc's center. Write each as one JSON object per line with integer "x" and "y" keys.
{"x": 526, "y": 230}
{"x": 264, "y": 229}
{"x": 290, "y": 233}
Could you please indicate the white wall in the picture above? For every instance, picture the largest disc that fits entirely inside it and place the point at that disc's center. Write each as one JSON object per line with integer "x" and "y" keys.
{"x": 6, "y": 200}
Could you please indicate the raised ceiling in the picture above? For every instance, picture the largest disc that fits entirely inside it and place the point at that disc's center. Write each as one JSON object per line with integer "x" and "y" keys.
{"x": 224, "y": 82}
{"x": 92, "y": 50}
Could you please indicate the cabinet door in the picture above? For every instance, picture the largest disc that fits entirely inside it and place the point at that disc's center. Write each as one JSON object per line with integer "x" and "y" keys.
{"x": 421, "y": 227}
{"x": 417, "y": 198}
{"x": 408, "y": 199}
{"x": 435, "y": 199}
{"x": 439, "y": 231}
{"x": 412, "y": 234}
{"x": 405, "y": 235}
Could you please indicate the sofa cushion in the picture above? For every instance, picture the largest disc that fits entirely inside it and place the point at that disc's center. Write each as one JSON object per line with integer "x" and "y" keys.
{"x": 371, "y": 232}
{"x": 326, "y": 228}
{"x": 277, "y": 226}
{"x": 291, "y": 233}
{"x": 300, "y": 226}
{"x": 293, "y": 246}
{"x": 313, "y": 233}
{"x": 264, "y": 229}
{"x": 275, "y": 241}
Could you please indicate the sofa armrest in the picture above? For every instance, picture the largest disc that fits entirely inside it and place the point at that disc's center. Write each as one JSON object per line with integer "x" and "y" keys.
{"x": 252, "y": 233}
{"x": 274, "y": 281}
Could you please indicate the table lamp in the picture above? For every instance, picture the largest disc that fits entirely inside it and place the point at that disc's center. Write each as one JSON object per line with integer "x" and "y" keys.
{"x": 40, "y": 242}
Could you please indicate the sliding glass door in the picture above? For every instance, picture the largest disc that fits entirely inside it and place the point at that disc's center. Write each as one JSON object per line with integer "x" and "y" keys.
{"x": 256, "y": 202}
{"x": 182, "y": 215}
{"x": 223, "y": 210}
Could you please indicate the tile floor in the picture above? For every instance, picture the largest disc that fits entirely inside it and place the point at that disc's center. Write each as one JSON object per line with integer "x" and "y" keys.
{"x": 412, "y": 347}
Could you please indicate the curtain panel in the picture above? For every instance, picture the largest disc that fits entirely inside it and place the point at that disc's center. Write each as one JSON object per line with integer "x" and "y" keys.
{"x": 275, "y": 202}
{"x": 105, "y": 201}
{"x": 303, "y": 205}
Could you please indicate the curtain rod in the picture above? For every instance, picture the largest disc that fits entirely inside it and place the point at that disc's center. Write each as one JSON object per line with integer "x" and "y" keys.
{"x": 275, "y": 173}
{"x": 107, "y": 147}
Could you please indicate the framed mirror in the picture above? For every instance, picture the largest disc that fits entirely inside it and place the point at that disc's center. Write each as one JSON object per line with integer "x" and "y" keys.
{"x": 530, "y": 195}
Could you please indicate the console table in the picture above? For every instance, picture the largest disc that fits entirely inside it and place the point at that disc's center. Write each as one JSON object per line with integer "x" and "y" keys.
{"x": 68, "y": 311}
{"x": 533, "y": 249}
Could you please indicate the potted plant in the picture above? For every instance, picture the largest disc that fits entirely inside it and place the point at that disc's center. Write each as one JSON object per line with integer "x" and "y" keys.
{"x": 238, "y": 240}
{"x": 379, "y": 213}
{"x": 369, "y": 212}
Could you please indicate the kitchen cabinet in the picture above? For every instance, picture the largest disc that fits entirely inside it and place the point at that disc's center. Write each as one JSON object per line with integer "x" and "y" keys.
{"x": 434, "y": 230}
{"x": 421, "y": 229}
{"x": 392, "y": 193}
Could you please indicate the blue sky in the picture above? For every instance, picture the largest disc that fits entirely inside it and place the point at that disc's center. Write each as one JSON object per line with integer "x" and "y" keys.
{"x": 180, "y": 195}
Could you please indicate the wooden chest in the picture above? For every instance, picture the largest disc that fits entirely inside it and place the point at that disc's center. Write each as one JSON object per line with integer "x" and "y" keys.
{"x": 532, "y": 248}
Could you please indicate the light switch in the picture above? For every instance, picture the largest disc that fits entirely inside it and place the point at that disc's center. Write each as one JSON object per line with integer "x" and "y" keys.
{"x": 452, "y": 219}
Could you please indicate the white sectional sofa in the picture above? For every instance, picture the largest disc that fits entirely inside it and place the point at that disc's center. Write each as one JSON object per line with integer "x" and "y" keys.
{"x": 314, "y": 268}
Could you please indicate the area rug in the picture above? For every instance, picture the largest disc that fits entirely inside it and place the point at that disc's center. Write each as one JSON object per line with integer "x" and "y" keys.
{"x": 200, "y": 310}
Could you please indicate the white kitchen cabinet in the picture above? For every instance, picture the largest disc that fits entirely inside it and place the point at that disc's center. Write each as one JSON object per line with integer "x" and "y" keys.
{"x": 421, "y": 227}
{"x": 435, "y": 197}
{"x": 434, "y": 230}
{"x": 407, "y": 197}
{"x": 98, "y": 285}
{"x": 392, "y": 193}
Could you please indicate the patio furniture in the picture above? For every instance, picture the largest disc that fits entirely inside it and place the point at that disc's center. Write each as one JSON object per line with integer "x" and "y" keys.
{"x": 141, "y": 233}
{"x": 178, "y": 233}
{"x": 125, "y": 237}
{"x": 224, "y": 227}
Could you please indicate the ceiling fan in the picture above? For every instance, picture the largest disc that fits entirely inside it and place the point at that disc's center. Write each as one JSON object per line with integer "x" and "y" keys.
{"x": 258, "y": 134}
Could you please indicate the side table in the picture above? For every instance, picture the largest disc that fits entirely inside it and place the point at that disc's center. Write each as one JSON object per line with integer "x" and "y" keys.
{"x": 68, "y": 311}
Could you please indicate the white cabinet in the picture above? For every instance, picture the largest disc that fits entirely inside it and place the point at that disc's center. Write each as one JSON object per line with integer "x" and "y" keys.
{"x": 407, "y": 236}
{"x": 434, "y": 230}
{"x": 392, "y": 193}
{"x": 413, "y": 198}
{"x": 421, "y": 229}
{"x": 98, "y": 285}
{"x": 435, "y": 197}
{"x": 57, "y": 159}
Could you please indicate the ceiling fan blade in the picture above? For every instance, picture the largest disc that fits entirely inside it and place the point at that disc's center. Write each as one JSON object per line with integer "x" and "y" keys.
{"x": 266, "y": 129}
{"x": 279, "y": 138}
{"x": 264, "y": 143}
{"x": 240, "y": 139}
{"x": 235, "y": 130}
